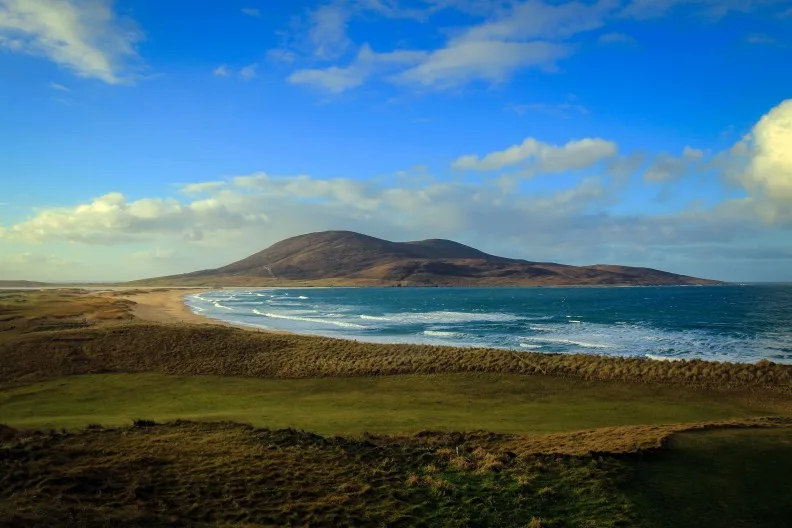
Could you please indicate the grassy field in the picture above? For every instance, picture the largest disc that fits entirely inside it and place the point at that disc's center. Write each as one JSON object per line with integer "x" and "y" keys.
{"x": 415, "y": 435}
{"x": 388, "y": 404}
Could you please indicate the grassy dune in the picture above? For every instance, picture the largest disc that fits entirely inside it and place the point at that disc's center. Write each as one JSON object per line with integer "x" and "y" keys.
{"x": 540, "y": 441}
{"x": 222, "y": 474}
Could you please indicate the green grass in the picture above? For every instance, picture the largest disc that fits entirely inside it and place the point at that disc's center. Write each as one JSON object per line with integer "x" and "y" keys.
{"x": 727, "y": 478}
{"x": 455, "y": 402}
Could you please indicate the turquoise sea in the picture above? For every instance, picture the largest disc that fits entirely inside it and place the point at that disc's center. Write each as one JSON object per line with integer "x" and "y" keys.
{"x": 724, "y": 323}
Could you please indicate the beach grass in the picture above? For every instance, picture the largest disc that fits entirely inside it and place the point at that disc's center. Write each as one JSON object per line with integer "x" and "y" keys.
{"x": 387, "y": 404}
{"x": 225, "y": 474}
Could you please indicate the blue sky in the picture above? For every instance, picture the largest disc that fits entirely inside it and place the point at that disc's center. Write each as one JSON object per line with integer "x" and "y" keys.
{"x": 145, "y": 138}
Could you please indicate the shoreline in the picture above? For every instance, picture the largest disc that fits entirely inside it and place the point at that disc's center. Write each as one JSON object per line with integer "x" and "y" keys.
{"x": 168, "y": 306}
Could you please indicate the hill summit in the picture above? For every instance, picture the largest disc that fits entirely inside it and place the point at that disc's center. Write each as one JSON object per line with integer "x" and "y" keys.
{"x": 349, "y": 258}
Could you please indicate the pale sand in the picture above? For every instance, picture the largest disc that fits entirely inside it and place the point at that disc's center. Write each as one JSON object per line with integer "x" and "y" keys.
{"x": 167, "y": 306}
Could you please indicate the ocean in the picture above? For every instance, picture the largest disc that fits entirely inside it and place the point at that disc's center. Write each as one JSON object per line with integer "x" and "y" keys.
{"x": 742, "y": 323}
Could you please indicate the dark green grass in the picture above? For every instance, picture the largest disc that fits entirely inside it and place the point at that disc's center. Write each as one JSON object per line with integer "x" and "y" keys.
{"x": 717, "y": 479}
{"x": 388, "y": 404}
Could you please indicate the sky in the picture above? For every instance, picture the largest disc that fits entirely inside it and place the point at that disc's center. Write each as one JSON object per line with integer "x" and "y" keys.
{"x": 142, "y": 138}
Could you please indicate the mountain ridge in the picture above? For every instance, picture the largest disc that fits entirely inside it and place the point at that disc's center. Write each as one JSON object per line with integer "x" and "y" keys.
{"x": 347, "y": 258}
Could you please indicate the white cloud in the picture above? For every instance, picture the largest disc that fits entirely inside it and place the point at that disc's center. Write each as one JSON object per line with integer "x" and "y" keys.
{"x": 367, "y": 62}
{"x": 333, "y": 79}
{"x": 574, "y": 155}
{"x": 59, "y": 87}
{"x": 249, "y": 72}
{"x": 665, "y": 167}
{"x": 494, "y": 61}
{"x": 328, "y": 30}
{"x": 536, "y": 19}
{"x": 281, "y": 55}
{"x": 251, "y": 12}
{"x": 157, "y": 255}
{"x": 528, "y": 35}
{"x": 110, "y": 219}
{"x": 202, "y": 187}
{"x": 712, "y": 9}
{"x": 221, "y": 71}
{"x": 768, "y": 172}
{"x": 514, "y": 35}
{"x": 84, "y": 36}
{"x": 569, "y": 225}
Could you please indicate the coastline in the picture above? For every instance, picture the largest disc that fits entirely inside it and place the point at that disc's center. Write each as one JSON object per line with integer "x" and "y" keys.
{"x": 168, "y": 306}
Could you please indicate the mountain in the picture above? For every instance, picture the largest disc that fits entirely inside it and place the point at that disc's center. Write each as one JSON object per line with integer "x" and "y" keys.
{"x": 347, "y": 258}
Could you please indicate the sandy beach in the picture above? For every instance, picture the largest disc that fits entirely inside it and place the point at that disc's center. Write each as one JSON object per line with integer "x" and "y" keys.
{"x": 167, "y": 306}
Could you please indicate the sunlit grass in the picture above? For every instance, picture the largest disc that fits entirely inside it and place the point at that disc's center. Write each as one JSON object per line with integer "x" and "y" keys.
{"x": 458, "y": 402}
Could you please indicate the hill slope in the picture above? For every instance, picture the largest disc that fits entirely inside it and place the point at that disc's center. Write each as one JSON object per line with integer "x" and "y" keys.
{"x": 348, "y": 258}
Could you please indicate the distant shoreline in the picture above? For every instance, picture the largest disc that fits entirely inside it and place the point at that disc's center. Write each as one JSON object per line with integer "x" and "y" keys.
{"x": 169, "y": 307}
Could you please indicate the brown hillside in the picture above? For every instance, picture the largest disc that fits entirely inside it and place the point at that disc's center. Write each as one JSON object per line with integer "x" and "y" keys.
{"x": 345, "y": 257}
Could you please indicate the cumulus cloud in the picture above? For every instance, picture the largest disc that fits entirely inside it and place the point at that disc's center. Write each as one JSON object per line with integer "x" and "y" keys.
{"x": 84, "y": 36}
{"x": 665, "y": 167}
{"x": 252, "y": 211}
{"x": 111, "y": 219}
{"x": 290, "y": 203}
{"x": 221, "y": 71}
{"x": 767, "y": 153}
{"x": 574, "y": 155}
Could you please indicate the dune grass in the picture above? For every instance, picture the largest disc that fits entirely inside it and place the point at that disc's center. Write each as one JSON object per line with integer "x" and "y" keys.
{"x": 719, "y": 479}
{"x": 221, "y": 474}
{"x": 389, "y": 404}
{"x": 225, "y": 474}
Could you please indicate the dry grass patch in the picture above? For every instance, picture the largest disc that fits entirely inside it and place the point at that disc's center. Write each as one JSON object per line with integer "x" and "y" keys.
{"x": 223, "y": 474}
